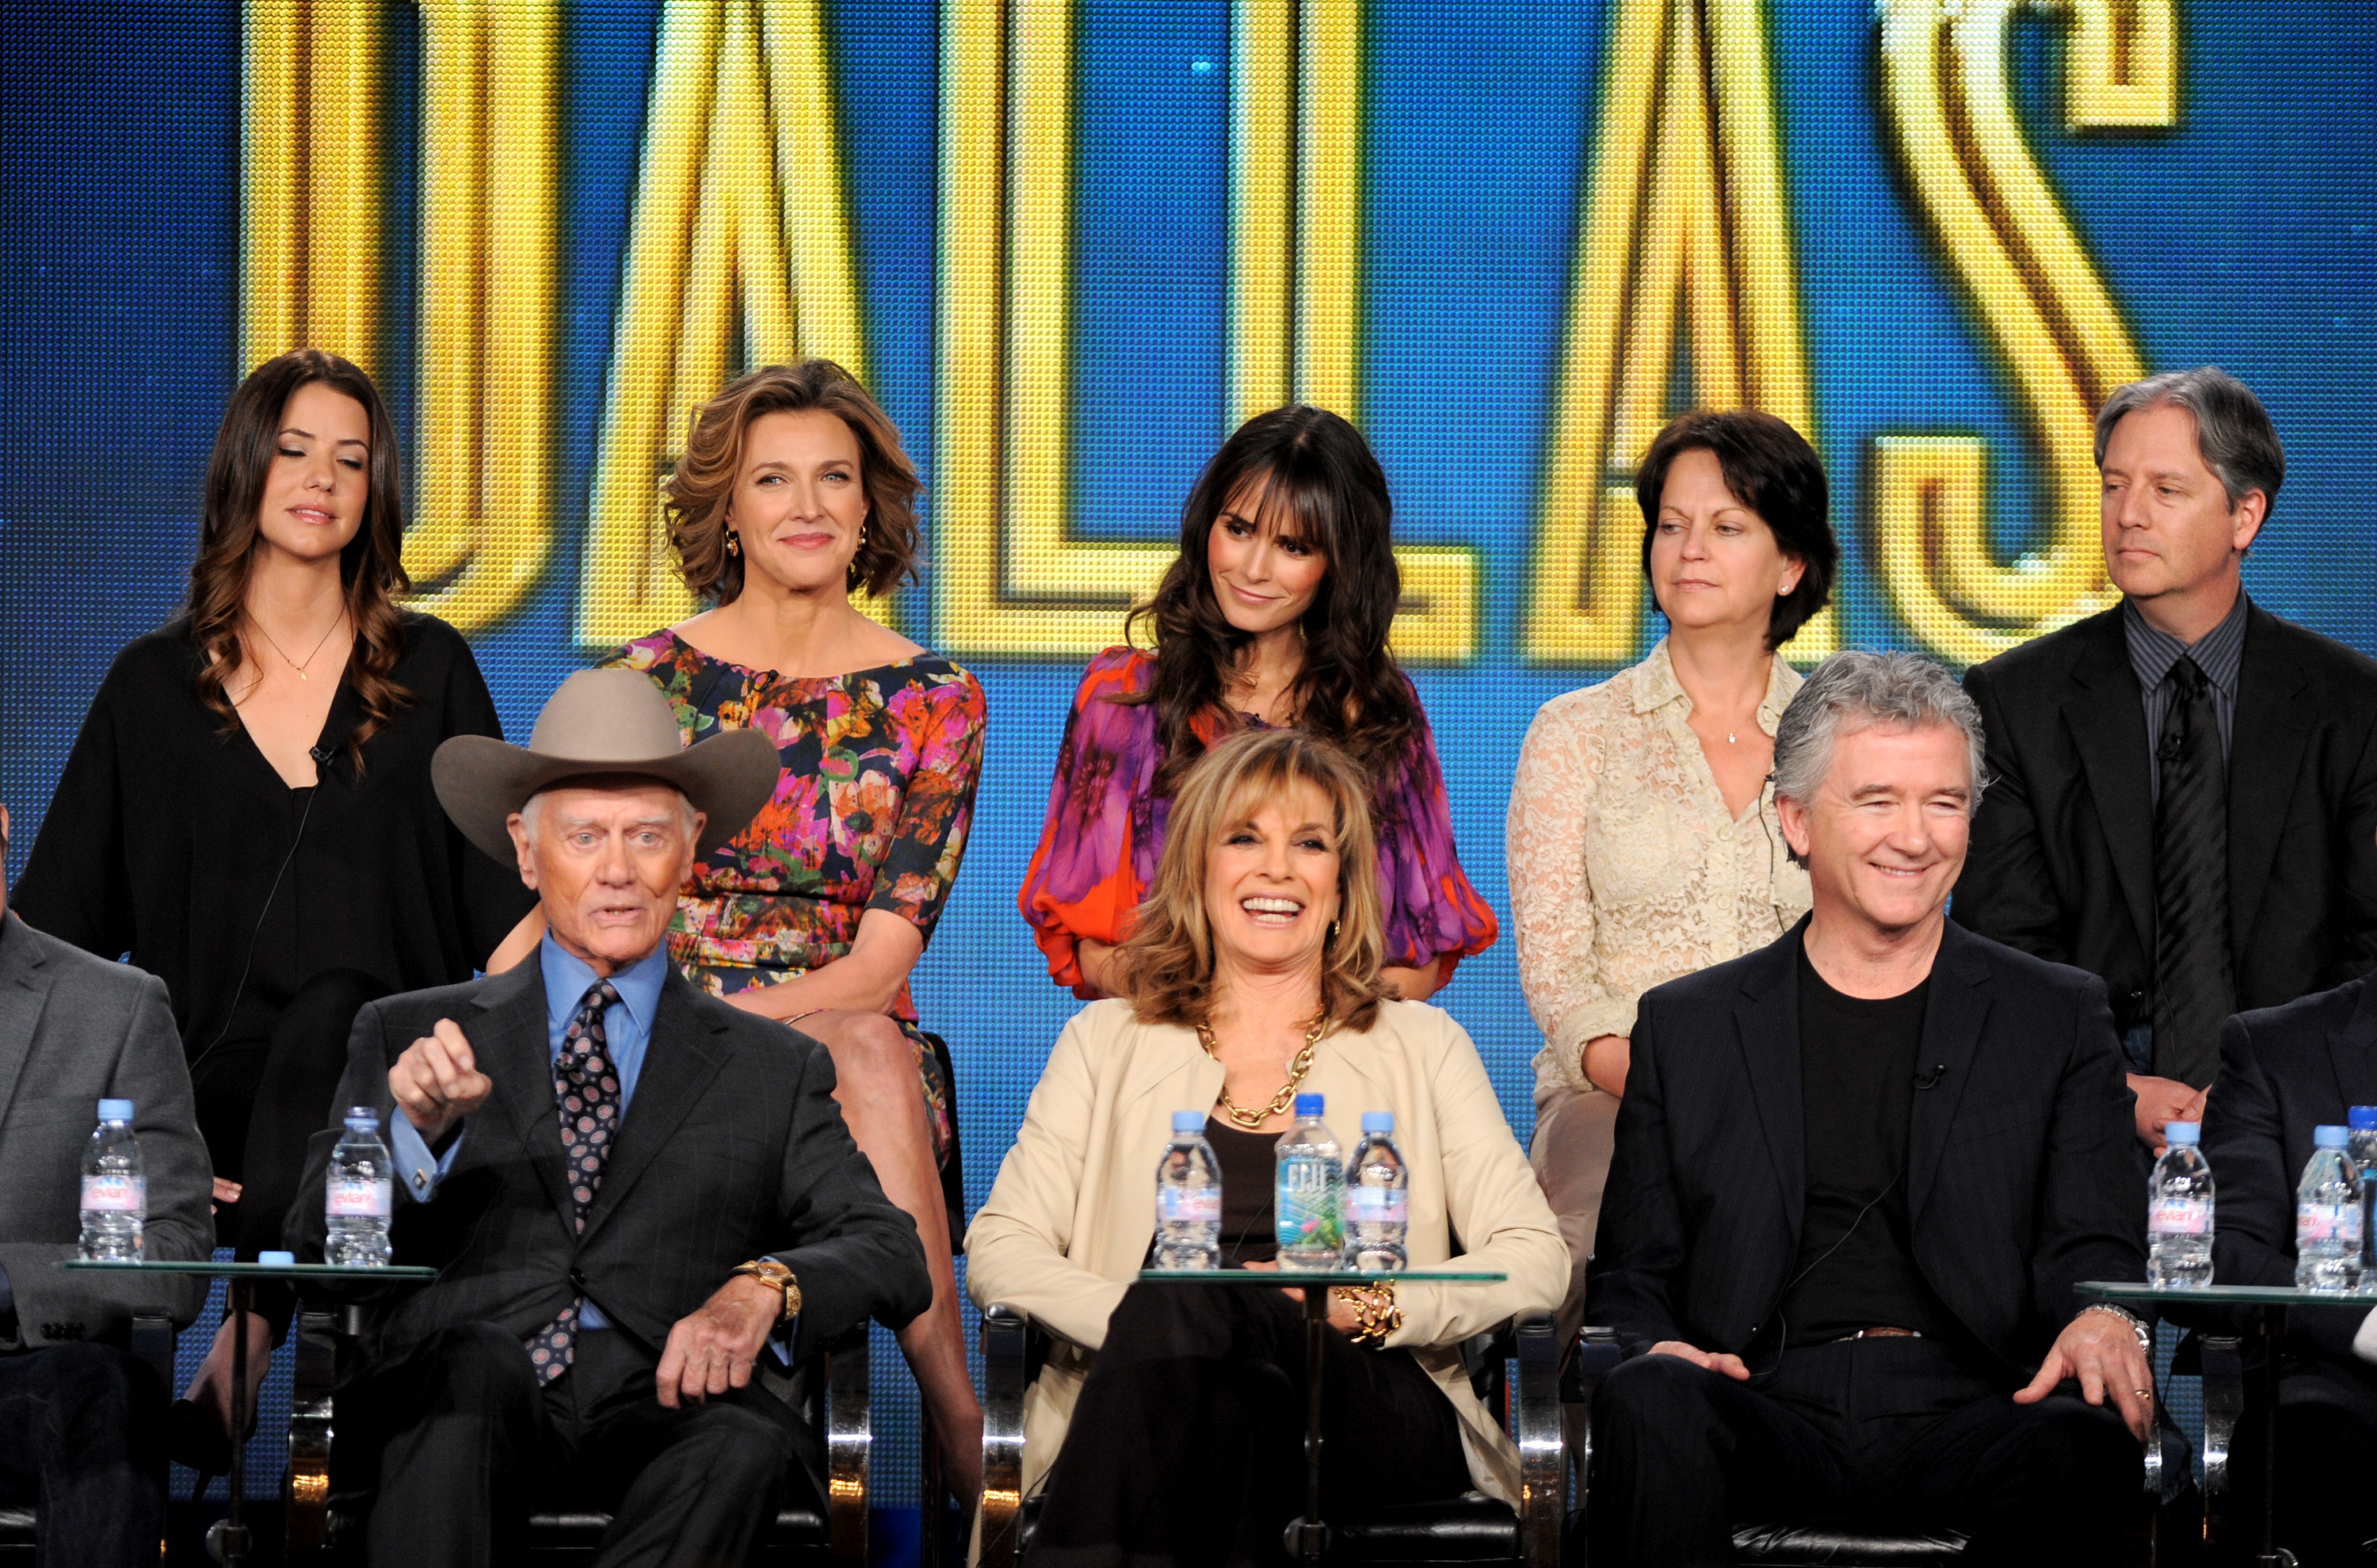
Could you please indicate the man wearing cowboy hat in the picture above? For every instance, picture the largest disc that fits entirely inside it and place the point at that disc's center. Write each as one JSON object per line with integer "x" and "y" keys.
{"x": 628, "y": 1187}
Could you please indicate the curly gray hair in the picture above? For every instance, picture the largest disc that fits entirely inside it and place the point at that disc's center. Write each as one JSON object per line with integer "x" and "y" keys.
{"x": 1854, "y": 690}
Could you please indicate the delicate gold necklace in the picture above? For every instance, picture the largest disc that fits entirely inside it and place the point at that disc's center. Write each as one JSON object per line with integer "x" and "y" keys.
{"x": 340, "y": 621}
{"x": 1250, "y": 1120}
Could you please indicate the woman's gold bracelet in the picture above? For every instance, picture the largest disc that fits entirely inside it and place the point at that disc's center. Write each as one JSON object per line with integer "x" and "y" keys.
{"x": 1375, "y": 1311}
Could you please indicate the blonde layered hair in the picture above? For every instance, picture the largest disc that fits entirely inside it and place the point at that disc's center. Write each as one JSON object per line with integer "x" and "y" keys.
{"x": 1166, "y": 966}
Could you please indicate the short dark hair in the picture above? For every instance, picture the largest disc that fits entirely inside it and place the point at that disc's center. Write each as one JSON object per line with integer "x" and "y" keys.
{"x": 1771, "y": 469}
{"x": 2233, "y": 432}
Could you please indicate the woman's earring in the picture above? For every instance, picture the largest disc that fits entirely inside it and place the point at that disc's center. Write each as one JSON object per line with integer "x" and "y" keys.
{"x": 1332, "y": 931}
{"x": 733, "y": 543}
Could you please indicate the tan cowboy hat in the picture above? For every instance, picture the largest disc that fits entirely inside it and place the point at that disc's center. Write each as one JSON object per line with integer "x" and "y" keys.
{"x": 604, "y": 722}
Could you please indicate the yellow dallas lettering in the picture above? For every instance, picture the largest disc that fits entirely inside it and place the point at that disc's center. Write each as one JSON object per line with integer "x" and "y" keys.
{"x": 312, "y": 258}
{"x": 1685, "y": 234}
{"x": 1950, "y": 113}
{"x": 1010, "y": 576}
{"x": 740, "y": 223}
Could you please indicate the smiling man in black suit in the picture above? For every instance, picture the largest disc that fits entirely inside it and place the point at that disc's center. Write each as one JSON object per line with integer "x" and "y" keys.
{"x": 1857, "y": 1174}
{"x": 2184, "y": 801}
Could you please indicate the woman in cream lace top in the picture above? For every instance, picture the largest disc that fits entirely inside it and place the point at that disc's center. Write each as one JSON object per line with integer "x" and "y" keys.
{"x": 1643, "y": 841}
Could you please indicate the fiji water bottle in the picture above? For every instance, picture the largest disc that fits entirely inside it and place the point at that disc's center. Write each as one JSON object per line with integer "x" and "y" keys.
{"x": 359, "y": 1196}
{"x": 2178, "y": 1211}
{"x": 115, "y": 1188}
{"x": 1377, "y": 1198}
{"x": 2327, "y": 1215}
{"x": 1188, "y": 1198}
{"x": 1311, "y": 1192}
{"x": 2363, "y": 1148}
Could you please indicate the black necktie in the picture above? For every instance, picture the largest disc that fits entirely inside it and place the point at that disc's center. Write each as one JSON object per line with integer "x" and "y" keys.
{"x": 2194, "y": 989}
{"x": 586, "y": 1094}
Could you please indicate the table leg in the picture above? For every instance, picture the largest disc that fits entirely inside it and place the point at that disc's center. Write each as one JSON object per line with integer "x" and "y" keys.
{"x": 1307, "y": 1540}
{"x": 227, "y": 1541}
{"x": 2273, "y": 1324}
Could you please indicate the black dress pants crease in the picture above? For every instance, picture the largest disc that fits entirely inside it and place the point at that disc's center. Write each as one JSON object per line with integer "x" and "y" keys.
{"x": 79, "y": 1430}
{"x": 468, "y": 1443}
{"x": 1187, "y": 1442}
{"x": 2327, "y": 1454}
{"x": 1888, "y": 1431}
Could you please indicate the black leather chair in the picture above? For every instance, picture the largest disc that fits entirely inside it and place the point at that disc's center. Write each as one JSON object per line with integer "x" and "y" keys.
{"x": 1472, "y": 1530}
{"x": 829, "y": 1388}
{"x": 153, "y": 1341}
{"x": 1781, "y": 1543}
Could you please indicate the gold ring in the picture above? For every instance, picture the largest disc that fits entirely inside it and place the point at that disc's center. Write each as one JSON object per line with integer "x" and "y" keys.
{"x": 2142, "y": 1393}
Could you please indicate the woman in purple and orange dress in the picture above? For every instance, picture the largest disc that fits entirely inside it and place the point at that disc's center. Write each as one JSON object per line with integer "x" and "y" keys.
{"x": 1275, "y": 613}
{"x": 793, "y": 492}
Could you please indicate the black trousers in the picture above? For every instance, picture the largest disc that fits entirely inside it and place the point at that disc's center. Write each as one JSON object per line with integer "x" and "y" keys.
{"x": 2327, "y": 1455}
{"x": 1868, "y": 1431}
{"x": 1187, "y": 1443}
{"x": 468, "y": 1443}
{"x": 81, "y": 1428}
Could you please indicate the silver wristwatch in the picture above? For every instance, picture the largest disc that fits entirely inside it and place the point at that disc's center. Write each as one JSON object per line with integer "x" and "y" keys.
{"x": 2137, "y": 1324}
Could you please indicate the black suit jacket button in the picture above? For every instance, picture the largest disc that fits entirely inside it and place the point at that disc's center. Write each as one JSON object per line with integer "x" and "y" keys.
{"x": 577, "y": 1278}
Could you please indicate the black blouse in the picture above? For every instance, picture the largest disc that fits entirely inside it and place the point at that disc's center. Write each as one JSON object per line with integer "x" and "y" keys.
{"x": 1250, "y": 1163}
{"x": 166, "y": 837}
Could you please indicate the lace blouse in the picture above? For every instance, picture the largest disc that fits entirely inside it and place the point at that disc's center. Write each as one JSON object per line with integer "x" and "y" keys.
{"x": 1626, "y": 870}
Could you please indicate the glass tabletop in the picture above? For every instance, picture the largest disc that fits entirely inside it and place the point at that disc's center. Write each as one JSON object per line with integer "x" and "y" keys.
{"x": 257, "y": 1271}
{"x": 2223, "y": 1295}
{"x": 1321, "y": 1276}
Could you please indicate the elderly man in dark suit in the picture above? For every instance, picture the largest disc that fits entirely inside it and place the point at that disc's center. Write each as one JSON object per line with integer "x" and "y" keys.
{"x": 630, "y": 1187}
{"x": 81, "y": 1422}
{"x": 2185, "y": 799}
{"x": 1857, "y": 1174}
{"x": 2285, "y": 1071}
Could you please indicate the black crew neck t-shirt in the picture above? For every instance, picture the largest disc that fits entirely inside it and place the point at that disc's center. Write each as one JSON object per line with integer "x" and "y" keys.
{"x": 1857, "y": 1066}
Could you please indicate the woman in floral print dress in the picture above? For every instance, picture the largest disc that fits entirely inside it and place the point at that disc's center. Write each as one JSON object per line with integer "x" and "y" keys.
{"x": 793, "y": 492}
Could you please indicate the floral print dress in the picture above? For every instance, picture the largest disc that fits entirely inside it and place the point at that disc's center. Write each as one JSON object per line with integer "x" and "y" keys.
{"x": 871, "y": 812}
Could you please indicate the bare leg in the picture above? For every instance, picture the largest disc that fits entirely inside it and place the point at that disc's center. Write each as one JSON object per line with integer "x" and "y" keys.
{"x": 210, "y": 1390}
{"x": 875, "y": 1068}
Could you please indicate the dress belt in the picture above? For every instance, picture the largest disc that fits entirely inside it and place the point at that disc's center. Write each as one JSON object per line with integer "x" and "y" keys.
{"x": 1882, "y": 1332}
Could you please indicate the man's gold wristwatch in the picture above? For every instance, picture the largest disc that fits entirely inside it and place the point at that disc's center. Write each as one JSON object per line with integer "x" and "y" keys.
{"x": 777, "y": 1274}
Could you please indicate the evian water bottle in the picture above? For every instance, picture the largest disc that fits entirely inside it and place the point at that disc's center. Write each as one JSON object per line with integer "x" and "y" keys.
{"x": 1377, "y": 1198}
{"x": 2327, "y": 1215}
{"x": 115, "y": 1188}
{"x": 2178, "y": 1211}
{"x": 1188, "y": 1198}
{"x": 359, "y": 1196}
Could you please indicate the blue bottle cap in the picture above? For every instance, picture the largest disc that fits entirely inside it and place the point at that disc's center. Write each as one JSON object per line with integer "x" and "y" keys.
{"x": 2185, "y": 1132}
{"x": 1307, "y": 1104}
{"x": 115, "y": 1110}
{"x": 2364, "y": 1119}
{"x": 277, "y": 1260}
{"x": 2331, "y": 1137}
{"x": 1187, "y": 1121}
{"x": 363, "y": 1119}
{"x": 1378, "y": 1121}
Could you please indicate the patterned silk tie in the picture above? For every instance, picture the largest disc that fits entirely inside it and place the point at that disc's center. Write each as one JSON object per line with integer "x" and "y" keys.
{"x": 2194, "y": 988}
{"x": 586, "y": 1092}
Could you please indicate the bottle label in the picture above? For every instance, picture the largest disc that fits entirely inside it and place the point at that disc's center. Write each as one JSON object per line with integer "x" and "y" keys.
{"x": 359, "y": 1200}
{"x": 1307, "y": 1209}
{"x": 2327, "y": 1222}
{"x": 1378, "y": 1205}
{"x": 115, "y": 1194}
{"x": 1189, "y": 1205}
{"x": 2179, "y": 1216}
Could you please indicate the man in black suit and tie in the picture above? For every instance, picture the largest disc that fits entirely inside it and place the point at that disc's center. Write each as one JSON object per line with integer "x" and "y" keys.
{"x": 2285, "y": 1071}
{"x": 2184, "y": 788}
{"x": 1857, "y": 1174}
{"x": 630, "y": 1188}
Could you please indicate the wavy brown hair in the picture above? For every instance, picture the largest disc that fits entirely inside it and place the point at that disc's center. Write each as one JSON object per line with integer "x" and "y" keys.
{"x": 371, "y": 567}
{"x": 1167, "y": 964}
{"x": 1320, "y": 482}
{"x": 702, "y": 487}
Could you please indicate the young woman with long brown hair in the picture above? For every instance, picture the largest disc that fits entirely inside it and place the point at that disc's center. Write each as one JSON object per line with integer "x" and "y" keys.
{"x": 247, "y": 811}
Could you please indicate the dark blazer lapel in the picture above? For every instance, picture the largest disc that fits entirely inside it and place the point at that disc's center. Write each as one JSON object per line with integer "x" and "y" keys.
{"x": 1767, "y": 1018}
{"x": 24, "y": 991}
{"x": 515, "y": 1049}
{"x": 2353, "y": 1050}
{"x": 2107, "y": 719}
{"x": 1953, "y": 1019}
{"x": 679, "y": 1061}
{"x": 2267, "y": 739}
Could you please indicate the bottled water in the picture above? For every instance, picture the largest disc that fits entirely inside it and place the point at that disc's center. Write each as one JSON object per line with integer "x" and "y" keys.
{"x": 1377, "y": 1198}
{"x": 1188, "y": 1198}
{"x": 115, "y": 1188}
{"x": 1311, "y": 1192}
{"x": 2327, "y": 1215}
{"x": 2363, "y": 1122}
{"x": 2178, "y": 1211}
{"x": 359, "y": 1196}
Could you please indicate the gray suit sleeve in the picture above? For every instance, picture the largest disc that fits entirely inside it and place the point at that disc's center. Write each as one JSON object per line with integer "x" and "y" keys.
{"x": 57, "y": 1305}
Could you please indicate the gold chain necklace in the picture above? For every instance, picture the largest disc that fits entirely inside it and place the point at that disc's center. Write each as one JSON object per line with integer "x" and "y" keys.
{"x": 1250, "y": 1120}
{"x": 340, "y": 621}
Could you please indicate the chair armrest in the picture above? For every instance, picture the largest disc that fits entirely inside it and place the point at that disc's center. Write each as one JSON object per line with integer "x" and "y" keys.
{"x": 849, "y": 1438}
{"x": 1006, "y": 1352}
{"x": 2222, "y": 1360}
{"x": 152, "y": 1345}
{"x": 1597, "y": 1355}
{"x": 306, "y": 1485}
{"x": 1543, "y": 1453}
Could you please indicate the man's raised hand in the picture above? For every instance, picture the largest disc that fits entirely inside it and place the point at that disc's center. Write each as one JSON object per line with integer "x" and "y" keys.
{"x": 437, "y": 1083}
